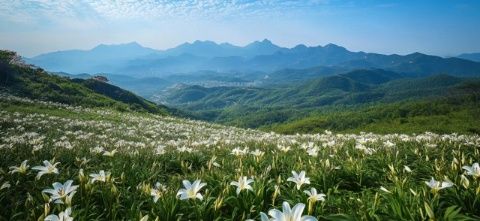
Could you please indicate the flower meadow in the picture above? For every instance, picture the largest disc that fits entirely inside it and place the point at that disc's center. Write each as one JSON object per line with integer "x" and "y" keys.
{"x": 60, "y": 162}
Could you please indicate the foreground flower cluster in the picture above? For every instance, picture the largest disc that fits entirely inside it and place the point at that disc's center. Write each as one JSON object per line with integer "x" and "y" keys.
{"x": 72, "y": 163}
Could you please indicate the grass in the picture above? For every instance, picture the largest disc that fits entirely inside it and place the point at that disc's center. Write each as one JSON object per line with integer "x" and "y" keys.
{"x": 362, "y": 175}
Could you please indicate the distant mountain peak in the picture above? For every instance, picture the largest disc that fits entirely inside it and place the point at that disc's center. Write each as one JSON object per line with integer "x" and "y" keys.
{"x": 263, "y": 43}
{"x": 300, "y": 46}
{"x": 415, "y": 55}
{"x": 207, "y": 42}
{"x": 333, "y": 46}
{"x": 227, "y": 44}
{"x": 266, "y": 41}
{"x": 132, "y": 44}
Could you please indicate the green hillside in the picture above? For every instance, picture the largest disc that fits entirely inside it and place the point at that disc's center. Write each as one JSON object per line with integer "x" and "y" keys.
{"x": 443, "y": 115}
{"x": 28, "y": 81}
{"x": 262, "y": 107}
{"x": 116, "y": 165}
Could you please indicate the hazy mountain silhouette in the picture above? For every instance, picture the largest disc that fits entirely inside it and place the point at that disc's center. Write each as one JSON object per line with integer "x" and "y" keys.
{"x": 102, "y": 58}
{"x": 135, "y": 60}
{"x": 471, "y": 56}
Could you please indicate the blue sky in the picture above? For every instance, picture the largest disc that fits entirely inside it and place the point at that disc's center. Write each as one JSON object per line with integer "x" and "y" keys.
{"x": 440, "y": 27}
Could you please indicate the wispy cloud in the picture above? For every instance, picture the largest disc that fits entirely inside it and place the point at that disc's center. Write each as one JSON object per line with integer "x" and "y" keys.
{"x": 45, "y": 11}
{"x": 52, "y": 10}
{"x": 196, "y": 8}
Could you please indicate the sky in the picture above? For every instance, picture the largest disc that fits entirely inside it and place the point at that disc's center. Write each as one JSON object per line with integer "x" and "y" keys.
{"x": 439, "y": 27}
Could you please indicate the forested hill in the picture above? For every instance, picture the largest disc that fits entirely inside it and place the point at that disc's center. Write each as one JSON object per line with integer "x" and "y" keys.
{"x": 24, "y": 80}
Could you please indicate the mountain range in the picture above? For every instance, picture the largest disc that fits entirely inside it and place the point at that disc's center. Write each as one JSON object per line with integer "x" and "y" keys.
{"x": 132, "y": 59}
{"x": 284, "y": 89}
{"x": 289, "y": 100}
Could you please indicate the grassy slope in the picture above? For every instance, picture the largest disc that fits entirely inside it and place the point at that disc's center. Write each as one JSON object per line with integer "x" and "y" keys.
{"x": 350, "y": 178}
{"x": 36, "y": 83}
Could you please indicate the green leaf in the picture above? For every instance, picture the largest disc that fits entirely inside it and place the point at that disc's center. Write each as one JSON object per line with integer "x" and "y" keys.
{"x": 429, "y": 211}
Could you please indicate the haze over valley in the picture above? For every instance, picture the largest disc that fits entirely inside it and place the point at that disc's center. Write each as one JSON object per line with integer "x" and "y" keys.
{"x": 221, "y": 82}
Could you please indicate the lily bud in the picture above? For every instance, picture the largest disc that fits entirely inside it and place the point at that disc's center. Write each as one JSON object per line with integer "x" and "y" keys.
{"x": 218, "y": 203}
{"x": 413, "y": 192}
{"x": 68, "y": 199}
{"x": 46, "y": 209}
{"x": 114, "y": 189}
{"x": 122, "y": 176}
{"x": 81, "y": 176}
{"x": 464, "y": 181}
{"x": 45, "y": 197}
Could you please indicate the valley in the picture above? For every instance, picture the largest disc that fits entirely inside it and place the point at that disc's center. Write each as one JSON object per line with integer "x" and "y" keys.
{"x": 255, "y": 96}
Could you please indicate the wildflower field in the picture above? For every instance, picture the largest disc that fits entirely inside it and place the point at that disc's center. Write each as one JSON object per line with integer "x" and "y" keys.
{"x": 60, "y": 162}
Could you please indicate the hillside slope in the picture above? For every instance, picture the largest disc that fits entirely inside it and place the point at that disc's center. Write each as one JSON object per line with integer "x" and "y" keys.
{"x": 28, "y": 81}
{"x": 113, "y": 165}
{"x": 441, "y": 115}
{"x": 254, "y": 107}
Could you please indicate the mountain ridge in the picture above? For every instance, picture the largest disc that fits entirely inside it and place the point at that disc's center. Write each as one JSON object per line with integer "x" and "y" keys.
{"x": 135, "y": 60}
{"x": 470, "y": 56}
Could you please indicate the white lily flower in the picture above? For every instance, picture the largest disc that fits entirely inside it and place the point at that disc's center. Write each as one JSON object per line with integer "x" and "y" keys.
{"x": 48, "y": 168}
{"x": 63, "y": 216}
{"x": 157, "y": 191}
{"x": 97, "y": 149}
{"x": 242, "y": 184}
{"x": 213, "y": 162}
{"x": 257, "y": 153}
{"x": 191, "y": 190}
{"x": 61, "y": 192}
{"x": 159, "y": 150}
{"x": 437, "y": 185}
{"x": 474, "y": 170}
{"x": 237, "y": 151}
{"x": 313, "y": 196}
{"x": 283, "y": 148}
{"x": 101, "y": 176}
{"x": 20, "y": 169}
{"x": 288, "y": 214}
{"x": 299, "y": 179}
{"x": 388, "y": 144}
{"x": 313, "y": 152}
{"x": 109, "y": 153}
